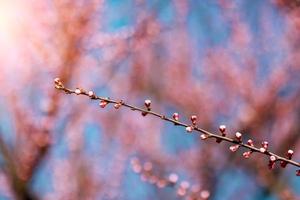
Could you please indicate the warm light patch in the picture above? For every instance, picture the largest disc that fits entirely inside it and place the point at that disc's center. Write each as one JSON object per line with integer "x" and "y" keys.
{"x": 10, "y": 19}
{"x": 14, "y": 21}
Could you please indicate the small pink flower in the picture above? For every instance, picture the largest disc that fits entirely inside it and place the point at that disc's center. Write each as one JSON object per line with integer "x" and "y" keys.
{"x": 176, "y": 116}
{"x": 298, "y": 172}
{"x": 234, "y": 148}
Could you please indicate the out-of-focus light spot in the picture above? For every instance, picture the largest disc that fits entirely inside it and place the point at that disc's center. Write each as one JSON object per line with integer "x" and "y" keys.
{"x": 14, "y": 15}
{"x": 10, "y": 14}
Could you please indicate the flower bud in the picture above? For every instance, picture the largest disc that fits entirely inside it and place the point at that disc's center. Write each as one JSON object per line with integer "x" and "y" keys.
{"x": 144, "y": 113}
{"x": 57, "y": 81}
{"x": 283, "y": 164}
{"x": 265, "y": 144}
{"x": 234, "y": 148}
{"x": 272, "y": 162}
{"x": 290, "y": 154}
{"x": 262, "y": 150}
{"x": 176, "y": 116}
{"x": 218, "y": 140}
{"x": 203, "y": 136}
{"x": 103, "y": 103}
{"x": 189, "y": 129}
{"x": 147, "y": 103}
{"x": 77, "y": 91}
{"x": 250, "y": 143}
{"x": 222, "y": 129}
{"x": 91, "y": 94}
{"x": 194, "y": 119}
{"x": 247, "y": 154}
{"x": 117, "y": 105}
{"x": 238, "y": 136}
{"x": 264, "y": 147}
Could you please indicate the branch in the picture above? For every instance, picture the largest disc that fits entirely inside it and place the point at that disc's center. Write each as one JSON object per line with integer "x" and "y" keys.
{"x": 237, "y": 141}
{"x": 183, "y": 188}
{"x": 20, "y": 187}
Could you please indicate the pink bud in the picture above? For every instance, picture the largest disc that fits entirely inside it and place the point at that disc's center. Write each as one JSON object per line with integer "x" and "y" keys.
{"x": 189, "y": 129}
{"x": 247, "y": 154}
{"x": 176, "y": 116}
{"x": 234, "y": 148}
{"x": 238, "y": 136}
{"x": 194, "y": 119}
{"x": 272, "y": 158}
{"x": 147, "y": 103}
{"x": 272, "y": 162}
{"x": 103, "y": 103}
{"x": 290, "y": 154}
{"x": 283, "y": 164}
{"x": 204, "y": 136}
{"x": 218, "y": 140}
{"x": 144, "y": 113}
{"x": 57, "y": 81}
{"x": 262, "y": 150}
{"x": 91, "y": 94}
{"x": 265, "y": 144}
{"x": 222, "y": 129}
{"x": 250, "y": 143}
{"x": 298, "y": 172}
{"x": 77, "y": 91}
{"x": 117, "y": 105}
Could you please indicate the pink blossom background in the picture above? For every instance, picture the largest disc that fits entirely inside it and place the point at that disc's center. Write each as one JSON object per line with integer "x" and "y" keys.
{"x": 229, "y": 62}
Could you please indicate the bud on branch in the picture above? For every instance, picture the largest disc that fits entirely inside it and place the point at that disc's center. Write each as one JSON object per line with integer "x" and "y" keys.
{"x": 237, "y": 141}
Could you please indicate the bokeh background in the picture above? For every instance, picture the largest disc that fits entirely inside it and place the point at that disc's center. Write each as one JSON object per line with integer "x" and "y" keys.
{"x": 229, "y": 62}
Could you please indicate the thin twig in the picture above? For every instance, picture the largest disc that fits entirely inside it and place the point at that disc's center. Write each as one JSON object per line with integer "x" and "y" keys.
{"x": 146, "y": 111}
